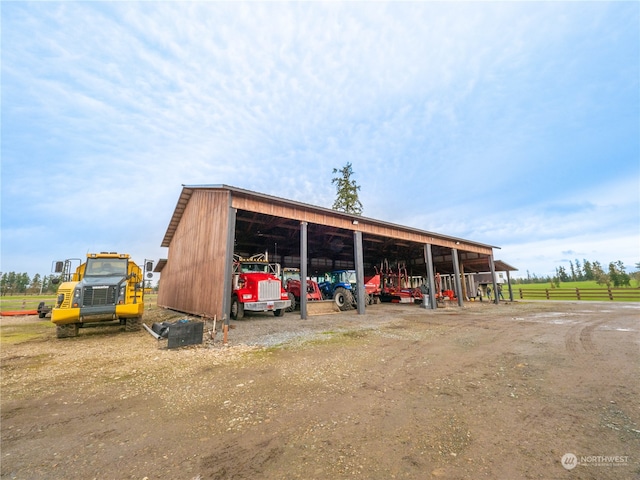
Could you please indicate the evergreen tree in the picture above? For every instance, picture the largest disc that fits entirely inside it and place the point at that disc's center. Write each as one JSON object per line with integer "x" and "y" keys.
{"x": 51, "y": 287}
{"x": 636, "y": 274}
{"x": 36, "y": 283}
{"x": 588, "y": 270}
{"x": 562, "y": 274}
{"x": 346, "y": 191}
{"x": 573, "y": 271}
{"x": 22, "y": 282}
{"x": 11, "y": 283}
{"x": 579, "y": 275}
{"x": 599, "y": 276}
{"x": 618, "y": 275}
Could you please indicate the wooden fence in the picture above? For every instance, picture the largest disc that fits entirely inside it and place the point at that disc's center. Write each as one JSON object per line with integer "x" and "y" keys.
{"x": 618, "y": 294}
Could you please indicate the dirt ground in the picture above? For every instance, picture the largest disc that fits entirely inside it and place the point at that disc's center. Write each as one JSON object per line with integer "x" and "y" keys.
{"x": 487, "y": 391}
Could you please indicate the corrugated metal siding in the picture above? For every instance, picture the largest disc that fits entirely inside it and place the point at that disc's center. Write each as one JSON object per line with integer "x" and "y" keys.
{"x": 192, "y": 279}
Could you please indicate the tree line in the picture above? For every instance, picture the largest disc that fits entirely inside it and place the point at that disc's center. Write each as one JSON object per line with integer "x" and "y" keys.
{"x": 615, "y": 276}
{"x": 12, "y": 283}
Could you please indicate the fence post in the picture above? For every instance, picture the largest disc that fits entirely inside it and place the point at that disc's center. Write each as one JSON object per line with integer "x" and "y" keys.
{"x": 520, "y": 290}
{"x": 547, "y": 292}
{"x": 610, "y": 293}
{"x": 578, "y": 293}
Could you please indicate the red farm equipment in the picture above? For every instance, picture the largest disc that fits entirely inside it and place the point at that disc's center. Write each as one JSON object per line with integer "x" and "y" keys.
{"x": 291, "y": 281}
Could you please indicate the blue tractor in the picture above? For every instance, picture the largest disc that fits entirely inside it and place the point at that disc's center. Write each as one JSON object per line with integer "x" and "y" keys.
{"x": 340, "y": 285}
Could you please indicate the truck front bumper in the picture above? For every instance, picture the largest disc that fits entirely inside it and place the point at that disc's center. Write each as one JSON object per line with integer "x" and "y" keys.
{"x": 267, "y": 306}
{"x": 62, "y": 316}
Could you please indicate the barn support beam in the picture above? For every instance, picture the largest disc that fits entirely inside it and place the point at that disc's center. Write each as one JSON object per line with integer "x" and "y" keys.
{"x": 359, "y": 264}
{"x": 228, "y": 266}
{"x": 510, "y": 289}
{"x": 428, "y": 260}
{"x": 463, "y": 280}
{"x": 456, "y": 273}
{"x": 303, "y": 270}
{"x": 492, "y": 267}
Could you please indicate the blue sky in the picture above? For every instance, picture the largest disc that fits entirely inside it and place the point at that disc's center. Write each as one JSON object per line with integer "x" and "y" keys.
{"x": 512, "y": 124}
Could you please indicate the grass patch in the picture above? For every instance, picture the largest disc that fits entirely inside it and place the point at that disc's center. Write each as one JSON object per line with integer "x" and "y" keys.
{"x": 565, "y": 285}
{"x": 355, "y": 334}
{"x": 24, "y": 302}
{"x": 24, "y": 332}
{"x": 587, "y": 290}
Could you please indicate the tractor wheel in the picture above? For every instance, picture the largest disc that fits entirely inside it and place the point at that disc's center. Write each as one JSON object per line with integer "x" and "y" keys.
{"x": 367, "y": 299}
{"x": 237, "y": 309}
{"x": 132, "y": 324}
{"x": 343, "y": 298}
{"x": 66, "y": 331}
{"x": 279, "y": 312}
{"x": 293, "y": 303}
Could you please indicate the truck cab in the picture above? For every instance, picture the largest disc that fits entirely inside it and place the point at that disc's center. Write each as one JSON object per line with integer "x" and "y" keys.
{"x": 257, "y": 287}
{"x": 107, "y": 287}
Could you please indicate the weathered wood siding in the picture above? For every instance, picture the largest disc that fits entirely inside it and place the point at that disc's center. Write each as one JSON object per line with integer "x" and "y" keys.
{"x": 364, "y": 225}
{"x": 192, "y": 280}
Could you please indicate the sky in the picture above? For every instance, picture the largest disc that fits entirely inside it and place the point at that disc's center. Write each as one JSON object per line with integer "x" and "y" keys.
{"x": 514, "y": 124}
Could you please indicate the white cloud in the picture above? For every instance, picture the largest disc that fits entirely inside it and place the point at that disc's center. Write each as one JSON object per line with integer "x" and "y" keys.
{"x": 471, "y": 119}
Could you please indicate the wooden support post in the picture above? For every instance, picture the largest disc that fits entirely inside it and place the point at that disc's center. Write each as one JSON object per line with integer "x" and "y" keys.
{"x": 359, "y": 264}
{"x": 428, "y": 259}
{"x": 303, "y": 270}
{"x": 456, "y": 273}
{"x": 494, "y": 282}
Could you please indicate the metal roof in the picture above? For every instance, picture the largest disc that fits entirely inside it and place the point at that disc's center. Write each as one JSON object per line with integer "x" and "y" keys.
{"x": 187, "y": 191}
{"x": 257, "y": 231}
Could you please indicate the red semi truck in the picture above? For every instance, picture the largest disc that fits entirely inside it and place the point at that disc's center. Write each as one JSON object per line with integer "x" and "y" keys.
{"x": 257, "y": 287}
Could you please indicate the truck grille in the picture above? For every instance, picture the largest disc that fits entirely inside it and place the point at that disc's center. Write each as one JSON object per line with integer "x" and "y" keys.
{"x": 103, "y": 295}
{"x": 268, "y": 290}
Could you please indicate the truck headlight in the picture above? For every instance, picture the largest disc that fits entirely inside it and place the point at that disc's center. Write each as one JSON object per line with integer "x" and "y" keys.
{"x": 76, "y": 298}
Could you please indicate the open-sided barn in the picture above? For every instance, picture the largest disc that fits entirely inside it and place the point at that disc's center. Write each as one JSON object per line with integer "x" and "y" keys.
{"x": 211, "y": 223}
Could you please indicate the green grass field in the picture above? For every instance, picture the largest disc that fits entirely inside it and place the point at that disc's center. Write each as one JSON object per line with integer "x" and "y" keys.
{"x": 24, "y": 302}
{"x": 30, "y": 302}
{"x": 589, "y": 290}
{"x": 567, "y": 285}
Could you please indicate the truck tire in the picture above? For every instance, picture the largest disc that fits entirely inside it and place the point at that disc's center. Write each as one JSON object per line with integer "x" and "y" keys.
{"x": 237, "y": 309}
{"x": 279, "y": 312}
{"x": 67, "y": 331}
{"x": 132, "y": 324}
{"x": 343, "y": 299}
{"x": 293, "y": 303}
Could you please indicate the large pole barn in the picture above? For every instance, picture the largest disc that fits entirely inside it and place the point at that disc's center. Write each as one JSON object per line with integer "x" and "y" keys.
{"x": 211, "y": 223}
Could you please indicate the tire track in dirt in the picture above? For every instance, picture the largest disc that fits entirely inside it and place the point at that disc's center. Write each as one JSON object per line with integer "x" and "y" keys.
{"x": 579, "y": 338}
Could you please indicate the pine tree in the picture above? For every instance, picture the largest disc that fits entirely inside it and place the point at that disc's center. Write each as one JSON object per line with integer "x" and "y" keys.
{"x": 573, "y": 271}
{"x": 599, "y": 276}
{"x": 346, "y": 191}
{"x": 579, "y": 270}
{"x": 588, "y": 270}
